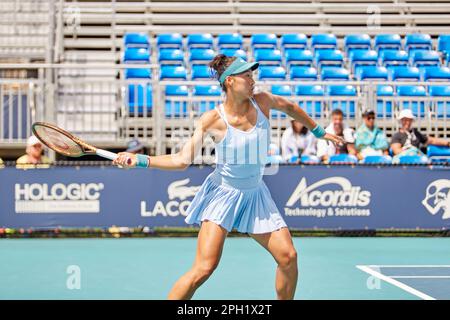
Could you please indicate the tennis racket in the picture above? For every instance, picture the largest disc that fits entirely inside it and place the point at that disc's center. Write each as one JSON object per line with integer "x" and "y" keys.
{"x": 65, "y": 143}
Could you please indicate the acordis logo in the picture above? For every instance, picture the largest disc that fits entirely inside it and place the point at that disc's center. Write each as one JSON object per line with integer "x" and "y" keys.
{"x": 319, "y": 200}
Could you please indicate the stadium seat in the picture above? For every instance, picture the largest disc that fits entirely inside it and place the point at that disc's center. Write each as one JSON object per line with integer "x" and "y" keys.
{"x": 298, "y": 57}
{"x": 264, "y": 40}
{"x": 357, "y": 42}
{"x": 136, "y": 55}
{"x": 268, "y": 56}
{"x": 387, "y": 42}
{"x": 232, "y": 52}
{"x": 438, "y": 154}
{"x": 417, "y": 107}
{"x": 175, "y": 108}
{"x": 372, "y": 73}
{"x": 425, "y": 58}
{"x": 282, "y": 90}
{"x": 271, "y": 73}
{"x": 394, "y": 58}
{"x": 440, "y": 105}
{"x": 206, "y": 91}
{"x": 201, "y": 72}
{"x": 343, "y": 159}
{"x": 169, "y": 40}
{"x": 384, "y": 106}
{"x": 294, "y": 40}
{"x": 230, "y": 40}
{"x": 329, "y": 58}
{"x": 377, "y": 160}
{"x": 418, "y": 41}
{"x": 363, "y": 58}
{"x": 139, "y": 40}
{"x": 293, "y": 159}
{"x": 334, "y": 73}
{"x": 137, "y": 100}
{"x": 436, "y": 73}
{"x": 323, "y": 41}
{"x": 200, "y": 40}
{"x": 404, "y": 73}
{"x": 171, "y": 56}
{"x": 348, "y": 107}
{"x": 138, "y": 74}
{"x": 444, "y": 46}
{"x": 311, "y": 107}
{"x": 173, "y": 72}
{"x": 413, "y": 160}
{"x": 302, "y": 73}
{"x": 201, "y": 56}
{"x": 309, "y": 159}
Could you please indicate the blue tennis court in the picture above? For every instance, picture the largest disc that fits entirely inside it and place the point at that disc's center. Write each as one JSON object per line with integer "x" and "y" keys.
{"x": 146, "y": 268}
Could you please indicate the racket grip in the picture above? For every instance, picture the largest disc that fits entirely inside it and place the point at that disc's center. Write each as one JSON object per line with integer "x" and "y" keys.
{"x": 106, "y": 154}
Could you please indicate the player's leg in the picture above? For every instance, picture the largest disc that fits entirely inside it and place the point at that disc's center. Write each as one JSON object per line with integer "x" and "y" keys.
{"x": 209, "y": 250}
{"x": 279, "y": 244}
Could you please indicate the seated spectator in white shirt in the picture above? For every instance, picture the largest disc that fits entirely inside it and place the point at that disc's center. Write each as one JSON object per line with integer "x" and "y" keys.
{"x": 326, "y": 149}
{"x": 297, "y": 140}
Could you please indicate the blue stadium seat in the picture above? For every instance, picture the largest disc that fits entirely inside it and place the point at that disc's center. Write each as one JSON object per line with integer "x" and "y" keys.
{"x": 232, "y": 52}
{"x": 418, "y": 41}
{"x": 169, "y": 40}
{"x": 441, "y": 101}
{"x": 294, "y": 40}
{"x": 394, "y": 58}
{"x": 357, "y": 42}
{"x": 363, "y": 57}
{"x": 312, "y": 108}
{"x": 282, "y": 90}
{"x": 309, "y": 159}
{"x": 303, "y": 73}
{"x": 388, "y": 41}
{"x": 201, "y": 56}
{"x": 264, "y": 40}
{"x": 206, "y": 91}
{"x": 438, "y": 154}
{"x": 436, "y": 73}
{"x": 298, "y": 57}
{"x": 136, "y": 40}
{"x": 171, "y": 56}
{"x": 347, "y": 106}
{"x": 175, "y": 108}
{"x": 413, "y": 160}
{"x": 268, "y": 56}
{"x": 138, "y": 74}
{"x": 444, "y": 46}
{"x": 404, "y": 73}
{"x": 323, "y": 41}
{"x": 200, "y": 40}
{"x": 230, "y": 40}
{"x": 417, "y": 107}
{"x": 329, "y": 58}
{"x": 271, "y": 73}
{"x": 173, "y": 72}
{"x": 201, "y": 72}
{"x": 425, "y": 58}
{"x": 372, "y": 73}
{"x": 136, "y": 55}
{"x": 384, "y": 106}
{"x": 377, "y": 160}
{"x": 335, "y": 73}
{"x": 137, "y": 101}
{"x": 343, "y": 159}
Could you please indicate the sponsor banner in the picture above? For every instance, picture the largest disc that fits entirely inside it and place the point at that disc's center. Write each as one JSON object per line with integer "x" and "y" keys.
{"x": 307, "y": 197}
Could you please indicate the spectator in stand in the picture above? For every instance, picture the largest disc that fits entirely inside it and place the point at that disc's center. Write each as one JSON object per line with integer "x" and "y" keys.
{"x": 136, "y": 147}
{"x": 369, "y": 139}
{"x": 297, "y": 140}
{"x": 408, "y": 140}
{"x": 337, "y": 127}
{"x": 33, "y": 157}
{"x": 1, "y": 163}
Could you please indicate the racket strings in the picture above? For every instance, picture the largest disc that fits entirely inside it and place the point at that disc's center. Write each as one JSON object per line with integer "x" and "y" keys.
{"x": 58, "y": 141}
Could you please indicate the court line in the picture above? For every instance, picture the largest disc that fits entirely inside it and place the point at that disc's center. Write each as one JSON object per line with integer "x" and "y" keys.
{"x": 420, "y": 277}
{"x": 396, "y": 283}
{"x": 408, "y": 266}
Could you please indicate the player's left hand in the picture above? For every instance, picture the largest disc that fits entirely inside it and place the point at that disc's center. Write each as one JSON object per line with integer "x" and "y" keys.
{"x": 338, "y": 141}
{"x": 125, "y": 160}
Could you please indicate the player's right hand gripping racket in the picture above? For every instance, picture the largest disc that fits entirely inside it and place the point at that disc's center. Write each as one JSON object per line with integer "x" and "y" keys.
{"x": 65, "y": 143}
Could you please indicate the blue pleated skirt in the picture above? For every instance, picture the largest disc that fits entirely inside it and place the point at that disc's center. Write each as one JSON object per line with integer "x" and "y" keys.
{"x": 237, "y": 204}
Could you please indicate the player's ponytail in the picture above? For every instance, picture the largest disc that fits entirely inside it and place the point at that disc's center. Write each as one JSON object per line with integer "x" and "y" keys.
{"x": 219, "y": 64}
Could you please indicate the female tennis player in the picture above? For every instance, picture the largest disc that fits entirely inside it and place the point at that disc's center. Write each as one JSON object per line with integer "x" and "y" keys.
{"x": 234, "y": 194}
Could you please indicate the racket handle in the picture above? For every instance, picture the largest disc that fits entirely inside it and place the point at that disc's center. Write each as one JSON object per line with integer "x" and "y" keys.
{"x": 109, "y": 155}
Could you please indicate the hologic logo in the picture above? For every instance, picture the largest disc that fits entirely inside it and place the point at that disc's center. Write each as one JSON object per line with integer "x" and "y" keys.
{"x": 345, "y": 201}
{"x": 58, "y": 198}
{"x": 437, "y": 198}
{"x": 173, "y": 208}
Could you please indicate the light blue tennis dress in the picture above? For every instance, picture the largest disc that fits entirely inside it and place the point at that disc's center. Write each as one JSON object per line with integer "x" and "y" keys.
{"x": 234, "y": 195}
